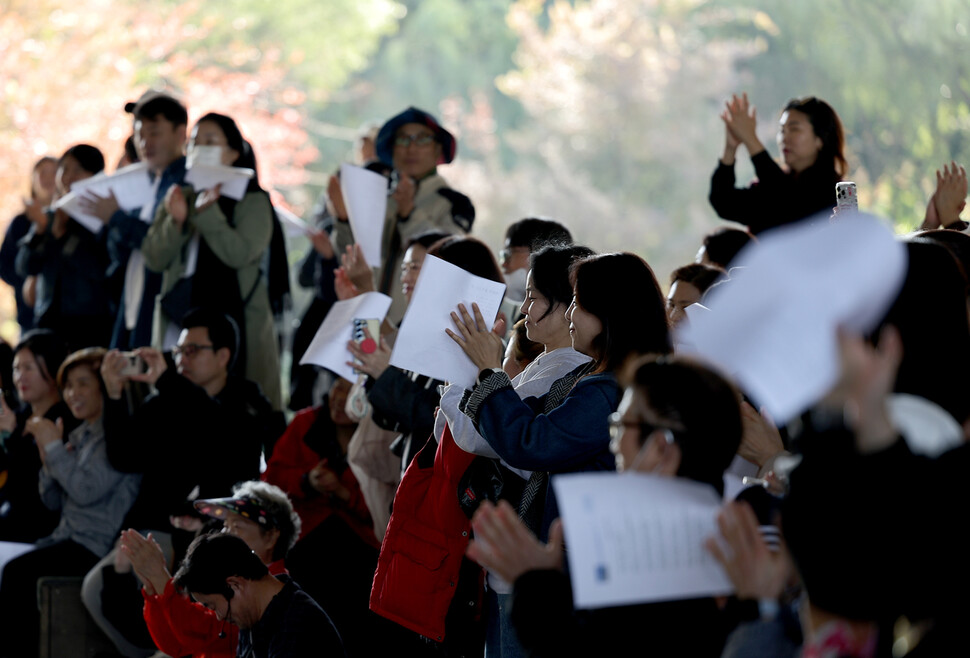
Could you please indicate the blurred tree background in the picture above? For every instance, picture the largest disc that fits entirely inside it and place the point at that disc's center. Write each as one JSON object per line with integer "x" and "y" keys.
{"x": 602, "y": 114}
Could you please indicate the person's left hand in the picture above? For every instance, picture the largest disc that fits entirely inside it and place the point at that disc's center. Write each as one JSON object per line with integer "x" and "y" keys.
{"x": 483, "y": 346}
{"x": 403, "y": 195}
{"x": 45, "y": 432}
{"x": 374, "y": 363}
{"x": 102, "y": 207}
{"x": 325, "y": 480}
{"x": 208, "y": 197}
{"x": 504, "y": 545}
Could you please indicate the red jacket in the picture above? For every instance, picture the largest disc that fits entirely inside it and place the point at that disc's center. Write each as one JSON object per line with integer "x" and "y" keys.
{"x": 182, "y": 627}
{"x": 421, "y": 556}
{"x": 292, "y": 459}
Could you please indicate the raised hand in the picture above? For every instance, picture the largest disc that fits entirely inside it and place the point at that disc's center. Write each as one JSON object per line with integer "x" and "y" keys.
{"x": 741, "y": 120}
{"x": 176, "y": 205}
{"x": 504, "y": 545}
{"x": 102, "y": 207}
{"x": 147, "y": 559}
{"x": 482, "y": 345}
{"x": 950, "y": 197}
{"x": 404, "y": 195}
{"x": 756, "y": 571}
{"x": 357, "y": 268}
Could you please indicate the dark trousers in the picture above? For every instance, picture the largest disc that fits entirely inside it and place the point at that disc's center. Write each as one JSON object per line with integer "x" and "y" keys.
{"x": 18, "y": 592}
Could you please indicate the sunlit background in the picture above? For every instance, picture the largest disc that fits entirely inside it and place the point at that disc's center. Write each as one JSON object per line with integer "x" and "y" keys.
{"x": 602, "y": 114}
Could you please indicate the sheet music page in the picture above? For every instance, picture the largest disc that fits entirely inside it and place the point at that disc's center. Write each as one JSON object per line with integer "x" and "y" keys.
{"x": 638, "y": 538}
{"x": 365, "y": 195}
{"x": 329, "y": 346}
{"x": 422, "y": 344}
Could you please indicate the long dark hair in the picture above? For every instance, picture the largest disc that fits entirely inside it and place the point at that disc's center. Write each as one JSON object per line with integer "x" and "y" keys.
{"x": 621, "y": 290}
{"x": 828, "y": 128}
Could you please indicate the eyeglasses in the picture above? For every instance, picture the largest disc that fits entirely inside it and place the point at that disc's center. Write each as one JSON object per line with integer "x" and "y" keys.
{"x": 189, "y": 350}
{"x": 506, "y": 253}
{"x": 618, "y": 427}
{"x": 421, "y": 139}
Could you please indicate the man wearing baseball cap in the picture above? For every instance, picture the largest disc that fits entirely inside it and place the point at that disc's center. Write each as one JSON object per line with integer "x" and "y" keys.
{"x": 414, "y": 143}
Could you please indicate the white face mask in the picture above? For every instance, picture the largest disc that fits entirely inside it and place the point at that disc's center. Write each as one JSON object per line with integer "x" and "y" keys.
{"x": 515, "y": 285}
{"x": 203, "y": 155}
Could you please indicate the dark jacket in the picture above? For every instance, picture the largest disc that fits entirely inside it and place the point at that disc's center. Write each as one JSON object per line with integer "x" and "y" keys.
{"x": 776, "y": 198}
{"x": 180, "y": 439}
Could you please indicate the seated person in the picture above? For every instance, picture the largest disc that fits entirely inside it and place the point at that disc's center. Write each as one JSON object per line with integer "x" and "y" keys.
{"x": 196, "y": 436}
{"x": 77, "y": 479}
{"x": 687, "y": 285}
{"x": 36, "y": 360}
{"x": 677, "y": 418}
{"x": 275, "y": 617}
{"x": 258, "y": 513}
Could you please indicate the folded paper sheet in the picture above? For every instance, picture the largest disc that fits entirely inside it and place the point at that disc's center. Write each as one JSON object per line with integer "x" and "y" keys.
{"x": 329, "y": 346}
{"x": 636, "y": 538}
{"x": 130, "y": 185}
{"x": 422, "y": 344}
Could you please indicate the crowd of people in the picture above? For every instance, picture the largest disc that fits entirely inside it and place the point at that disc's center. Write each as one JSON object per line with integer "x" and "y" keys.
{"x": 144, "y": 446}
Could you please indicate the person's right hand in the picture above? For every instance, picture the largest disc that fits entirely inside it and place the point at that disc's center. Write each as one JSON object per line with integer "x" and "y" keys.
{"x": 111, "y": 366}
{"x": 741, "y": 119}
{"x": 950, "y": 197}
{"x": 756, "y": 571}
{"x": 731, "y": 140}
{"x": 176, "y": 205}
{"x": 503, "y": 544}
{"x": 356, "y": 267}
{"x": 343, "y": 286}
{"x": 404, "y": 195}
{"x": 147, "y": 559}
{"x": 760, "y": 439}
{"x": 321, "y": 243}
{"x": 336, "y": 198}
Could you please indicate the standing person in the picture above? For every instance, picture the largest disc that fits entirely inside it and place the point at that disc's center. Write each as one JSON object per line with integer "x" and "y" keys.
{"x": 548, "y": 293}
{"x": 617, "y": 312}
{"x": 76, "y": 479}
{"x": 812, "y": 145}
{"x": 414, "y": 143}
{"x": 160, "y": 127}
{"x": 276, "y": 618}
{"x": 36, "y": 360}
{"x": 69, "y": 262}
{"x": 41, "y": 194}
{"x": 208, "y": 249}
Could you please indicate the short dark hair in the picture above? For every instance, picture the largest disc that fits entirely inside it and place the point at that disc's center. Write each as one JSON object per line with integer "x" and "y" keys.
{"x": 223, "y": 330}
{"x": 88, "y": 157}
{"x": 621, "y": 290}
{"x": 470, "y": 254}
{"x": 704, "y": 403}
{"x": 550, "y": 268}
{"x": 722, "y": 245}
{"x": 535, "y": 232}
{"x": 162, "y": 106}
{"x": 213, "y": 558}
{"x": 699, "y": 276}
{"x": 48, "y": 349}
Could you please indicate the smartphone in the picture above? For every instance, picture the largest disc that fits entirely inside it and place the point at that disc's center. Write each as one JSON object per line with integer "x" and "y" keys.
{"x": 135, "y": 364}
{"x": 845, "y": 197}
{"x": 373, "y": 327}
